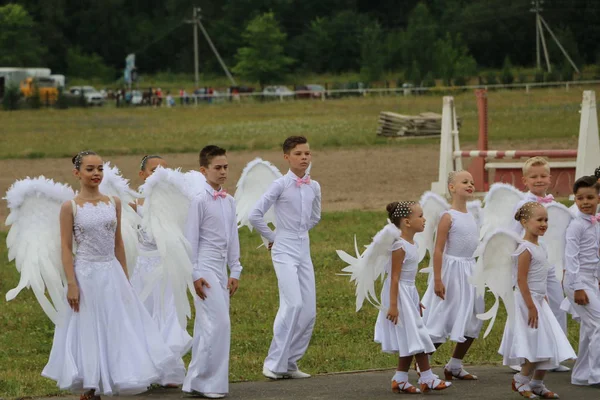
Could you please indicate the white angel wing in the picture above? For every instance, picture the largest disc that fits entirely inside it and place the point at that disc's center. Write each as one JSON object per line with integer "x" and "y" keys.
{"x": 475, "y": 208}
{"x": 166, "y": 204}
{"x": 113, "y": 184}
{"x": 309, "y": 169}
{"x": 370, "y": 265}
{"x": 494, "y": 269}
{"x": 256, "y": 178}
{"x": 573, "y": 209}
{"x": 499, "y": 211}
{"x": 194, "y": 182}
{"x": 433, "y": 206}
{"x": 559, "y": 218}
{"x": 34, "y": 240}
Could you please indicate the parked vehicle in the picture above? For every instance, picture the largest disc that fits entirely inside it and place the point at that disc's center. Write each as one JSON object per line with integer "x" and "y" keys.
{"x": 277, "y": 91}
{"x": 355, "y": 89}
{"x": 310, "y": 91}
{"x": 91, "y": 95}
{"x": 45, "y": 86}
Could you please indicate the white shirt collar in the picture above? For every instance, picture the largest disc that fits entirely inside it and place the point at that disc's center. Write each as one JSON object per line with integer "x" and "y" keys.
{"x": 581, "y": 215}
{"x": 210, "y": 189}
{"x": 293, "y": 176}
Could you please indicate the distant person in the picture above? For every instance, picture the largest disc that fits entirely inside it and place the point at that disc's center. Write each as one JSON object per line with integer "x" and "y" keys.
{"x": 170, "y": 100}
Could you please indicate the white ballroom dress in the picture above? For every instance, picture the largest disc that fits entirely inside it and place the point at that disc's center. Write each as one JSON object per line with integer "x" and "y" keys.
{"x": 112, "y": 344}
{"x": 455, "y": 318}
{"x": 160, "y": 303}
{"x": 546, "y": 345}
{"x": 409, "y": 336}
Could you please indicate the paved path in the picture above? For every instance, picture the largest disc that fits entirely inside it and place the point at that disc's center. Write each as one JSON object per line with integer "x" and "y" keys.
{"x": 494, "y": 383}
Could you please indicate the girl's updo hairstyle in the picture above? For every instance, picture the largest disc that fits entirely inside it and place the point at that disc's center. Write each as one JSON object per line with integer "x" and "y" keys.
{"x": 76, "y": 160}
{"x": 145, "y": 160}
{"x": 526, "y": 210}
{"x": 398, "y": 210}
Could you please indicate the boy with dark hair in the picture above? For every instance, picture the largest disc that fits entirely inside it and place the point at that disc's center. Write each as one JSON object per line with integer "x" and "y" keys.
{"x": 212, "y": 231}
{"x": 582, "y": 278}
{"x": 297, "y": 202}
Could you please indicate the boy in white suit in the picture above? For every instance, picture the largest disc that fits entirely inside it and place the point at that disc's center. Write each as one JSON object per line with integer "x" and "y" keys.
{"x": 212, "y": 231}
{"x": 297, "y": 202}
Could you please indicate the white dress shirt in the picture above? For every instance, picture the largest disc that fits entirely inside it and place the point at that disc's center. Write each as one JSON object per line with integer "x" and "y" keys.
{"x": 297, "y": 207}
{"x": 581, "y": 252}
{"x": 211, "y": 229}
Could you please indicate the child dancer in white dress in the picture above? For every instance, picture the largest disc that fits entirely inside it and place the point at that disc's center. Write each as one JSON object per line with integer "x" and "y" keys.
{"x": 582, "y": 278}
{"x": 160, "y": 303}
{"x": 535, "y": 340}
{"x": 107, "y": 342}
{"x": 451, "y": 303}
{"x": 400, "y": 329}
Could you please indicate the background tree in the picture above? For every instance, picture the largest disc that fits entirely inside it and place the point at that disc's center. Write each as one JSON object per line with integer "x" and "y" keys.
{"x": 19, "y": 45}
{"x": 324, "y": 36}
{"x": 372, "y": 58}
{"x": 87, "y": 65}
{"x": 263, "y": 59}
{"x": 507, "y": 76}
{"x": 421, "y": 35}
{"x": 453, "y": 61}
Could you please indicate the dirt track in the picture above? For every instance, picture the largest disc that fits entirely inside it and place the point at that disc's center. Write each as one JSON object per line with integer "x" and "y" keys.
{"x": 350, "y": 179}
{"x": 359, "y": 179}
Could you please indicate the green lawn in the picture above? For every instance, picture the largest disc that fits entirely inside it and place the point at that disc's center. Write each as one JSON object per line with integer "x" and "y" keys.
{"x": 342, "y": 341}
{"x": 544, "y": 114}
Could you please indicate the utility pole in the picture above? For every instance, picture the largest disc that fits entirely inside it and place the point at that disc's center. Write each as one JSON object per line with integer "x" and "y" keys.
{"x": 536, "y": 4}
{"x": 194, "y": 22}
{"x": 196, "y": 61}
{"x": 540, "y": 24}
{"x": 197, "y": 22}
{"x": 214, "y": 49}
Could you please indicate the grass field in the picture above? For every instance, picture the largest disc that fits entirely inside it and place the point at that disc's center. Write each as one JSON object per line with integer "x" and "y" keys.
{"x": 544, "y": 114}
{"x": 342, "y": 341}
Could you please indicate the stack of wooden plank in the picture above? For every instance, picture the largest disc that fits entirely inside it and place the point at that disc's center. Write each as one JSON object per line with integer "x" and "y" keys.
{"x": 395, "y": 125}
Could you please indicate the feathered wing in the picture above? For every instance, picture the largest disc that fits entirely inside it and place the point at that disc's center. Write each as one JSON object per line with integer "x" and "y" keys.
{"x": 114, "y": 185}
{"x": 499, "y": 210}
{"x": 494, "y": 270}
{"x": 475, "y": 208}
{"x": 34, "y": 240}
{"x": 433, "y": 206}
{"x": 366, "y": 268}
{"x": 166, "y": 204}
{"x": 256, "y": 178}
{"x": 194, "y": 182}
{"x": 559, "y": 218}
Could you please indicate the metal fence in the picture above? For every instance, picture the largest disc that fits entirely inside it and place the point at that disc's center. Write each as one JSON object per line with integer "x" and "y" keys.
{"x": 324, "y": 95}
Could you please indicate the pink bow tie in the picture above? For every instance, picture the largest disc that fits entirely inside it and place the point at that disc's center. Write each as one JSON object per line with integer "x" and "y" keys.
{"x": 302, "y": 181}
{"x": 595, "y": 218}
{"x": 221, "y": 193}
{"x": 546, "y": 199}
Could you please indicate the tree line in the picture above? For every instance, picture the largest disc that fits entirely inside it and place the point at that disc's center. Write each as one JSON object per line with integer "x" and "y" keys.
{"x": 264, "y": 40}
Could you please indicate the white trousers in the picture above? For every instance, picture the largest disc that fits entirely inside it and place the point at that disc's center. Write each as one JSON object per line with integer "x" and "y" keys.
{"x": 556, "y": 296}
{"x": 295, "y": 319}
{"x": 587, "y": 366}
{"x": 208, "y": 371}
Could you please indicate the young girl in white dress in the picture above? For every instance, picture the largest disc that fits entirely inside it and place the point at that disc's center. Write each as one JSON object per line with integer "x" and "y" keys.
{"x": 451, "y": 303}
{"x": 535, "y": 339}
{"x": 160, "y": 303}
{"x": 400, "y": 329}
{"x": 106, "y": 343}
